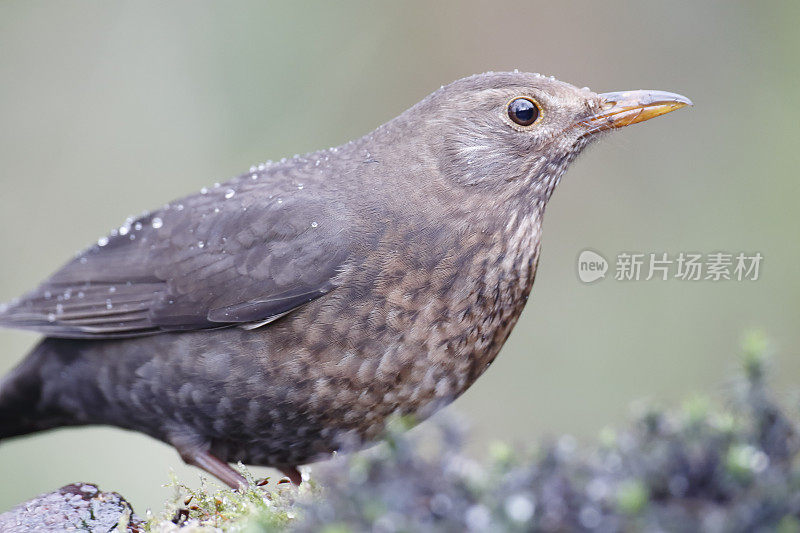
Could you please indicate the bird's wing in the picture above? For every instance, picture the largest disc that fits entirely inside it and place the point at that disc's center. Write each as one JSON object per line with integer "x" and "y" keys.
{"x": 230, "y": 256}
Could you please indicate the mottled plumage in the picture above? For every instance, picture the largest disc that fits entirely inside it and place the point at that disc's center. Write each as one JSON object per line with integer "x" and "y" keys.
{"x": 263, "y": 319}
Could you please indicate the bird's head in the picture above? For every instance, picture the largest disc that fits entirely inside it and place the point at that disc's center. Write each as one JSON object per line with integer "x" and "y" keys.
{"x": 496, "y": 128}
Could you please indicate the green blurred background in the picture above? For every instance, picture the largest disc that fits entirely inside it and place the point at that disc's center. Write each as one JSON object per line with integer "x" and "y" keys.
{"x": 110, "y": 108}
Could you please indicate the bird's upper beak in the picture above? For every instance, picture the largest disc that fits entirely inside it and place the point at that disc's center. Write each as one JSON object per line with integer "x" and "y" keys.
{"x": 629, "y": 107}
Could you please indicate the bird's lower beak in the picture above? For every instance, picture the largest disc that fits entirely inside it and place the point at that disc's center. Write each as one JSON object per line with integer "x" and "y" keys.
{"x": 629, "y": 107}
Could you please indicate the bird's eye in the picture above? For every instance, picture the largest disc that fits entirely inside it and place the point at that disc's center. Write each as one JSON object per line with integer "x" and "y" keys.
{"x": 523, "y": 111}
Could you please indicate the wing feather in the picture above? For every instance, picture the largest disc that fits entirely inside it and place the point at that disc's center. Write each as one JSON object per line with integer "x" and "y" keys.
{"x": 206, "y": 261}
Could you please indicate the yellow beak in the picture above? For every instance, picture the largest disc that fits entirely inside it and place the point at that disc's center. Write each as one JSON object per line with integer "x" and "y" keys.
{"x": 629, "y": 107}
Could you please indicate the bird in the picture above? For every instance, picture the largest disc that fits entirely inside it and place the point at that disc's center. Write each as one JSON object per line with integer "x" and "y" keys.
{"x": 306, "y": 302}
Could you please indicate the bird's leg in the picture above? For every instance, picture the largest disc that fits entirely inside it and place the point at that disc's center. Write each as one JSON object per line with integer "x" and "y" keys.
{"x": 292, "y": 473}
{"x": 214, "y": 466}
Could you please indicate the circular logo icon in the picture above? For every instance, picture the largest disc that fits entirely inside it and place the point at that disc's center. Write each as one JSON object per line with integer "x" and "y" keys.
{"x": 591, "y": 266}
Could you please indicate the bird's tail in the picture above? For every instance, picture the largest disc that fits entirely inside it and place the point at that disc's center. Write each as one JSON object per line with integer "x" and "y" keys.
{"x": 22, "y": 406}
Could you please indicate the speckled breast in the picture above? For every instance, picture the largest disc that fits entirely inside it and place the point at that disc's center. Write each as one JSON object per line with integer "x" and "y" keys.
{"x": 424, "y": 332}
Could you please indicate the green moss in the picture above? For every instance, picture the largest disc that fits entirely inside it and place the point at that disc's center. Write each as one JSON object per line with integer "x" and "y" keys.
{"x": 265, "y": 506}
{"x": 631, "y": 497}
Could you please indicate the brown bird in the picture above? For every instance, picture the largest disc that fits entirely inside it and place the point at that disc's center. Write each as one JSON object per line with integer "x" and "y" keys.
{"x": 267, "y": 319}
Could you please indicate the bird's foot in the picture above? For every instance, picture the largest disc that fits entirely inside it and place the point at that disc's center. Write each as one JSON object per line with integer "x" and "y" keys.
{"x": 214, "y": 466}
{"x": 293, "y": 474}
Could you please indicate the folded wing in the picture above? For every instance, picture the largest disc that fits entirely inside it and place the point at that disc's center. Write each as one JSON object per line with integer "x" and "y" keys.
{"x": 211, "y": 260}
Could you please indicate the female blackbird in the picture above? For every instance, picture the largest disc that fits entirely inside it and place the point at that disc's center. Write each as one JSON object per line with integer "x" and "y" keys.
{"x": 270, "y": 318}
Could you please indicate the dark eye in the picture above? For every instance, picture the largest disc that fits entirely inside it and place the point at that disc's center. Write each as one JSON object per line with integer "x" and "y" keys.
{"x": 523, "y": 111}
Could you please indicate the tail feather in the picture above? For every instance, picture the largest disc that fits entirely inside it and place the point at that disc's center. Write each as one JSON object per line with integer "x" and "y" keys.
{"x": 22, "y": 409}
